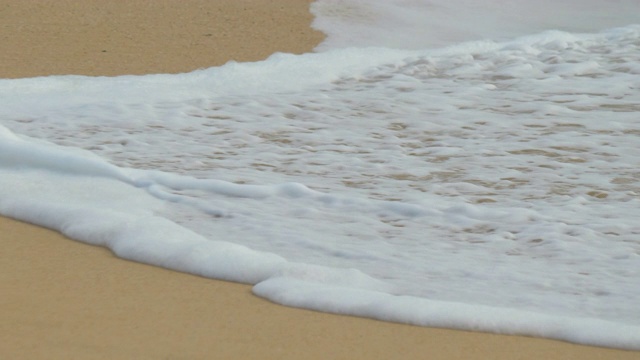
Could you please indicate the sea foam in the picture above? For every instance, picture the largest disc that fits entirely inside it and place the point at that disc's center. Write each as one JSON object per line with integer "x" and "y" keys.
{"x": 487, "y": 185}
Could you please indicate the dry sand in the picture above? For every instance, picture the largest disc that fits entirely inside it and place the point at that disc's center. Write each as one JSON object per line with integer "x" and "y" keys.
{"x": 61, "y": 299}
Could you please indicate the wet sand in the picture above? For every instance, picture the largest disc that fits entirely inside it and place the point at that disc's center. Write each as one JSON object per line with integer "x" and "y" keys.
{"x": 110, "y": 37}
{"x": 61, "y": 299}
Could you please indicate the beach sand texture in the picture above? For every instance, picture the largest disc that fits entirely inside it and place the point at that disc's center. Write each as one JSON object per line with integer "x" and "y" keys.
{"x": 108, "y": 38}
{"x": 61, "y": 299}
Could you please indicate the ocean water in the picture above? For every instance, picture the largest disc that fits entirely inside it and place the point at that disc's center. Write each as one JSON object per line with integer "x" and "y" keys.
{"x": 440, "y": 163}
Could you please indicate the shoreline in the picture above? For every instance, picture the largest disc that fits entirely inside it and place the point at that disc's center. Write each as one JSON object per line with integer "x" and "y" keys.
{"x": 64, "y": 299}
{"x": 73, "y": 300}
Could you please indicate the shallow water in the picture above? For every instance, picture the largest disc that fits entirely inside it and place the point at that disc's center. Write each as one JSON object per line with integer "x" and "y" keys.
{"x": 489, "y": 185}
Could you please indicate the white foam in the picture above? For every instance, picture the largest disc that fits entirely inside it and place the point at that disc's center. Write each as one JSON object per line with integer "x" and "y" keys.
{"x": 487, "y": 185}
{"x": 424, "y": 312}
{"x": 420, "y": 24}
{"x": 68, "y": 190}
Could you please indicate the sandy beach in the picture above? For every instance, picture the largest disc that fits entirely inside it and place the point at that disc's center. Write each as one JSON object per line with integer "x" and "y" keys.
{"x": 108, "y": 38}
{"x": 62, "y": 299}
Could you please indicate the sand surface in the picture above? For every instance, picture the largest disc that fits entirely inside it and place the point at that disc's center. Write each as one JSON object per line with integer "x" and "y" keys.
{"x": 115, "y": 37}
{"x": 60, "y": 299}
